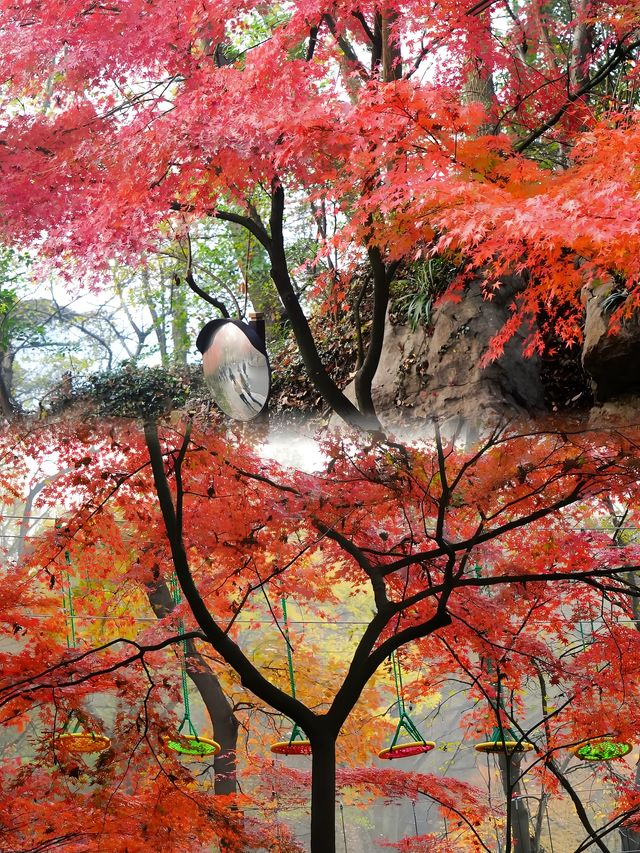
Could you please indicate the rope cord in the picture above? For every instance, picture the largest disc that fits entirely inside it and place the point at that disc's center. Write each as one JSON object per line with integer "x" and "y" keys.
{"x": 292, "y": 680}
{"x": 67, "y": 607}
{"x": 405, "y": 722}
{"x": 296, "y": 731}
{"x": 76, "y": 727}
{"x": 186, "y": 720}
{"x": 397, "y": 677}
{"x": 583, "y": 638}
{"x": 344, "y": 829}
{"x": 500, "y": 732}
{"x": 70, "y": 626}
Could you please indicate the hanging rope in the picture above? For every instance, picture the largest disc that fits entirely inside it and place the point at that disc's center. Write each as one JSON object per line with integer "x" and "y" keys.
{"x": 190, "y": 743}
{"x": 292, "y": 680}
{"x": 418, "y": 744}
{"x": 397, "y": 677}
{"x": 297, "y": 743}
{"x": 182, "y": 654}
{"x": 344, "y": 829}
{"x": 405, "y": 722}
{"x": 503, "y": 739}
{"x": 296, "y": 731}
{"x": 74, "y": 738}
{"x": 67, "y": 607}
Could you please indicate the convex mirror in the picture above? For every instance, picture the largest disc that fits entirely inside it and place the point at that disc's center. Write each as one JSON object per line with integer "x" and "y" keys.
{"x": 236, "y": 368}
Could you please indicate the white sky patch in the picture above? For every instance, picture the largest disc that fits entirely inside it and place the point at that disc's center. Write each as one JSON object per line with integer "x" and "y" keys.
{"x": 293, "y": 448}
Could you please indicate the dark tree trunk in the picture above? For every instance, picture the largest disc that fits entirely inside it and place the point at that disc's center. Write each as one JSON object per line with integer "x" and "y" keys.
{"x": 391, "y": 54}
{"x": 323, "y": 793}
{"x": 225, "y": 725}
{"x": 382, "y": 278}
{"x": 518, "y": 821}
{"x": 582, "y": 45}
{"x": 630, "y": 840}
{"x": 306, "y": 344}
{"x": 7, "y": 405}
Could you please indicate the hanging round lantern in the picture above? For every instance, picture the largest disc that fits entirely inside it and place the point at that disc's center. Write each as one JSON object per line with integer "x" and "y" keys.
{"x": 602, "y": 749}
{"x": 236, "y": 367}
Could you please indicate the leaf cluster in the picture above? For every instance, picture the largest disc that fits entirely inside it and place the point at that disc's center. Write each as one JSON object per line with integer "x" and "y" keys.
{"x": 415, "y": 294}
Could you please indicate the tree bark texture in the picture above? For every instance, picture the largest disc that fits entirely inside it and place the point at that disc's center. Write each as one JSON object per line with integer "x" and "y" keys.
{"x": 323, "y": 793}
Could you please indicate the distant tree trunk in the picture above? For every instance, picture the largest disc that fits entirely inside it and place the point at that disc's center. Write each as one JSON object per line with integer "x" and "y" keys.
{"x": 582, "y": 51}
{"x": 179, "y": 332}
{"x": 629, "y": 838}
{"x": 391, "y": 55}
{"x": 8, "y": 407}
{"x": 582, "y": 46}
{"x": 518, "y": 821}
{"x": 479, "y": 86}
{"x": 157, "y": 319}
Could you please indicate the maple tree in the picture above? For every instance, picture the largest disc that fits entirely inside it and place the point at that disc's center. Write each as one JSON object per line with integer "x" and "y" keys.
{"x": 504, "y": 136}
{"x": 430, "y": 539}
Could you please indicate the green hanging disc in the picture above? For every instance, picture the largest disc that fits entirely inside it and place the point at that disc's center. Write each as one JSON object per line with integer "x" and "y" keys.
{"x": 193, "y": 745}
{"x": 602, "y": 750}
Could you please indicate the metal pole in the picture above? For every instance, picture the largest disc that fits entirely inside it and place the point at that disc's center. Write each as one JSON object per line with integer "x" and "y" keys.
{"x": 344, "y": 831}
{"x": 256, "y": 321}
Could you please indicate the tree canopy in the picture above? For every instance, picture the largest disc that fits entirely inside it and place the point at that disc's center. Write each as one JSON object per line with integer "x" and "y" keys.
{"x": 504, "y": 136}
{"x": 424, "y": 544}
{"x": 299, "y": 159}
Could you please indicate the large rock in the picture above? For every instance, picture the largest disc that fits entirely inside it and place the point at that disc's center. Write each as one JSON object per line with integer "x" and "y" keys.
{"x": 611, "y": 360}
{"x": 437, "y": 374}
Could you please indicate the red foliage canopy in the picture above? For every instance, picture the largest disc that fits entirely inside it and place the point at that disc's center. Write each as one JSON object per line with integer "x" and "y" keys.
{"x": 445, "y": 122}
{"x": 436, "y": 540}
